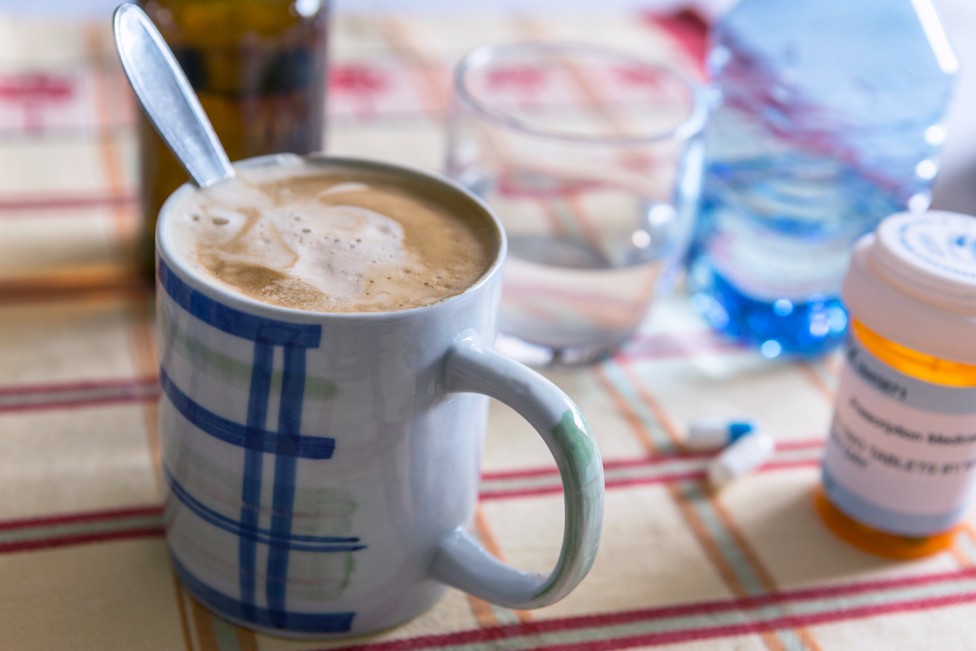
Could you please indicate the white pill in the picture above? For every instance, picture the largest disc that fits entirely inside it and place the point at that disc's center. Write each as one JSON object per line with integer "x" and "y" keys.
{"x": 741, "y": 458}
{"x": 716, "y": 434}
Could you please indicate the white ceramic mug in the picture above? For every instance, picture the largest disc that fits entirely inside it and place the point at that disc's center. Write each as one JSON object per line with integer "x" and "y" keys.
{"x": 321, "y": 468}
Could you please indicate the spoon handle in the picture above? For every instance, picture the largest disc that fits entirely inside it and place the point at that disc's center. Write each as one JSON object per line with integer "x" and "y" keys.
{"x": 167, "y": 97}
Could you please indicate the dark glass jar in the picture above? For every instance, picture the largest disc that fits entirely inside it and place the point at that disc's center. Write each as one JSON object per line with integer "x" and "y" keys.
{"x": 259, "y": 68}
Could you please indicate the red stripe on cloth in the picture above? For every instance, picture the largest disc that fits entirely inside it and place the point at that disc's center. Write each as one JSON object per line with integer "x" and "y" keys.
{"x": 800, "y": 444}
{"x": 80, "y": 539}
{"x": 78, "y": 403}
{"x": 79, "y": 385}
{"x": 76, "y": 395}
{"x": 860, "y": 587}
{"x": 687, "y": 29}
{"x": 765, "y": 626}
{"x": 624, "y": 482}
{"x": 84, "y": 516}
{"x": 513, "y": 493}
{"x": 14, "y": 204}
{"x": 613, "y": 464}
{"x": 701, "y": 608}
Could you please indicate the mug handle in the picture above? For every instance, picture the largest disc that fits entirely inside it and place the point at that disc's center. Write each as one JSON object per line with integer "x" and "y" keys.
{"x": 462, "y": 562}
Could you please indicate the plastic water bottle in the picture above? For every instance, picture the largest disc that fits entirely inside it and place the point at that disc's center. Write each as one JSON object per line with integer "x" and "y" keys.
{"x": 829, "y": 118}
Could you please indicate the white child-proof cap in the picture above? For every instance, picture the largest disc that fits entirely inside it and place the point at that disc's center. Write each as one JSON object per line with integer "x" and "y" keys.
{"x": 913, "y": 281}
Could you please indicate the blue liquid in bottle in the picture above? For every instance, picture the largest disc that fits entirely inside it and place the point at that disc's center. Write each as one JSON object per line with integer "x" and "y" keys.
{"x": 829, "y": 120}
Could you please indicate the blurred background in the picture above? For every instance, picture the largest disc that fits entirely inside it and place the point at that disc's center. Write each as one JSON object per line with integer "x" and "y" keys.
{"x": 955, "y": 188}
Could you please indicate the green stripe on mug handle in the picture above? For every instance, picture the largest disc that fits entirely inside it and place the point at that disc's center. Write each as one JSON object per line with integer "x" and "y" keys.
{"x": 462, "y": 562}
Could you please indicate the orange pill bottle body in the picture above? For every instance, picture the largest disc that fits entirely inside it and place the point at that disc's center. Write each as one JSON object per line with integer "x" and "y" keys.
{"x": 899, "y": 467}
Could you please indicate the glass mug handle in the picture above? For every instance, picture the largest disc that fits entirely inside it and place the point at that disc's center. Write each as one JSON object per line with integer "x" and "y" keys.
{"x": 463, "y": 563}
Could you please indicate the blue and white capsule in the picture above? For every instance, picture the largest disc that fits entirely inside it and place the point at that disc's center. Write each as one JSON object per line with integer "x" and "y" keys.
{"x": 707, "y": 435}
{"x": 741, "y": 458}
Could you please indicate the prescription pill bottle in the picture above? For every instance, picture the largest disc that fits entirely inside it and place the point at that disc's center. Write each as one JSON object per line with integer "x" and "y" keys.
{"x": 899, "y": 468}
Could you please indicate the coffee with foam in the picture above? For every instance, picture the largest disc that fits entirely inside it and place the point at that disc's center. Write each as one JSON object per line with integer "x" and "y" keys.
{"x": 327, "y": 239}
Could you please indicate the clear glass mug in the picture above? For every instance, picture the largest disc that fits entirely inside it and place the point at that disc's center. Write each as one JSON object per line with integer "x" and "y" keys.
{"x": 592, "y": 160}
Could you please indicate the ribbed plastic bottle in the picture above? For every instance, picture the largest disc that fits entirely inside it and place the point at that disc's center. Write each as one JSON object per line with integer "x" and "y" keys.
{"x": 899, "y": 467}
{"x": 829, "y": 119}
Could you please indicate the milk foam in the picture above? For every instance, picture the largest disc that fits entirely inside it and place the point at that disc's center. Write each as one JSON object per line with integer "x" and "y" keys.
{"x": 308, "y": 239}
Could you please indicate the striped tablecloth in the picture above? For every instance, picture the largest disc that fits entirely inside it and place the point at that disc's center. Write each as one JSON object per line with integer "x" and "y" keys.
{"x": 82, "y": 558}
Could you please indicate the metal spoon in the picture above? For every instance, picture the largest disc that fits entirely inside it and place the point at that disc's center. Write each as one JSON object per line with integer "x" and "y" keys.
{"x": 167, "y": 97}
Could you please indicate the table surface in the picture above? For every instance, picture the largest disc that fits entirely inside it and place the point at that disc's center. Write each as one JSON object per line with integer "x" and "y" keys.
{"x": 82, "y": 557}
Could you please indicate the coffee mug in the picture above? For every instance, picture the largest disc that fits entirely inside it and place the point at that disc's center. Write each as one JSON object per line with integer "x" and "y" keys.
{"x": 321, "y": 468}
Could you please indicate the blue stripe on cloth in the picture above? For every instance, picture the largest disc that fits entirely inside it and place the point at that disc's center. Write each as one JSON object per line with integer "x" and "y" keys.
{"x": 306, "y": 447}
{"x": 257, "y": 417}
{"x": 282, "y": 501}
{"x": 746, "y": 572}
{"x": 235, "y": 322}
{"x": 228, "y": 606}
{"x": 303, "y": 543}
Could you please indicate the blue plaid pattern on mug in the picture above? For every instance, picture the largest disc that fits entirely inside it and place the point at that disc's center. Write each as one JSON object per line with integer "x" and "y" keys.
{"x": 285, "y": 443}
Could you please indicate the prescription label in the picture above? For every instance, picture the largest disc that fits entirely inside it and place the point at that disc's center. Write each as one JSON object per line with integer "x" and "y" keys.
{"x": 901, "y": 455}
